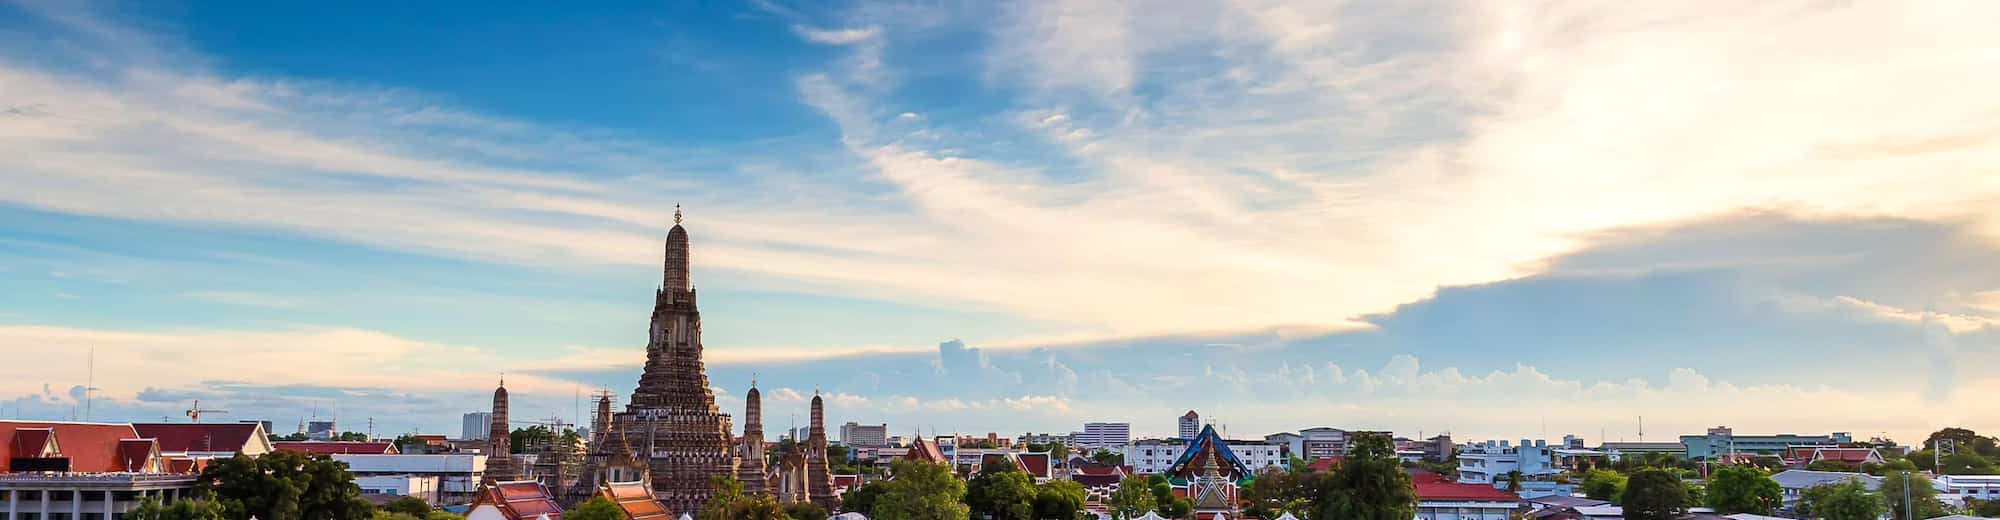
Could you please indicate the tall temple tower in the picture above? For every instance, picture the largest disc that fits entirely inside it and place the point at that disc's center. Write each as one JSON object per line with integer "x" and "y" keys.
{"x": 499, "y": 458}
{"x": 752, "y": 473}
{"x": 819, "y": 478}
{"x": 671, "y": 426}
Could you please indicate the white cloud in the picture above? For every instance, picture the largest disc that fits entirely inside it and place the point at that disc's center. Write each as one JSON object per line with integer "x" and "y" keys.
{"x": 848, "y": 36}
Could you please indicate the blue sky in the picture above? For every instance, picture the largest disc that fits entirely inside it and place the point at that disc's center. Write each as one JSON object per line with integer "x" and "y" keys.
{"x": 1494, "y": 220}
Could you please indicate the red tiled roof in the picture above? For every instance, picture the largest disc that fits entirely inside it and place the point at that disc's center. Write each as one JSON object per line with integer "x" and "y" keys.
{"x": 1854, "y": 455}
{"x": 1103, "y": 469}
{"x": 138, "y": 455}
{"x": 523, "y": 500}
{"x": 925, "y": 450}
{"x": 336, "y": 447}
{"x": 90, "y": 447}
{"x": 1094, "y": 480}
{"x": 1324, "y": 464}
{"x": 186, "y": 437}
{"x": 635, "y": 498}
{"x": 1037, "y": 464}
{"x": 186, "y": 466}
{"x": 1435, "y": 487}
{"x": 34, "y": 442}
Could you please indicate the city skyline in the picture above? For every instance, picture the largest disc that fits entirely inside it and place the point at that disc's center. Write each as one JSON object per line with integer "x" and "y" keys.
{"x": 1492, "y": 220}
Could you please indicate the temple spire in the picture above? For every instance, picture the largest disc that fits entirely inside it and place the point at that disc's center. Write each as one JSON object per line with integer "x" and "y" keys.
{"x": 677, "y": 214}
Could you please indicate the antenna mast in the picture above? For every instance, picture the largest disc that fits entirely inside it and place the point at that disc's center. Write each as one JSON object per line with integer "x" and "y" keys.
{"x": 89, "y": 382}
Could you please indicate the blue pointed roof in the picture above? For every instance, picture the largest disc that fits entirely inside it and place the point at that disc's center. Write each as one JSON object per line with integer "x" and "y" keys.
{"x": 1202, "y": 443}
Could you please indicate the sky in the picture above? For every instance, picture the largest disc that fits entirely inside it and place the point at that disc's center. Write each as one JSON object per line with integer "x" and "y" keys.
{"x": 1501, "y": 220}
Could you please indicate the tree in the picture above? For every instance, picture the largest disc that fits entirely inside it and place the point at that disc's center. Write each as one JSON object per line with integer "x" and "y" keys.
{"x": 1965, "y": 463}
{"x": 350, "y": 437}
{"x": 729, "y": 503}
{"x": 413, "y": 506}
{"x": 1831, "y": 465}
{"x": 1108, "y": 458}
{"x": 1059, "y": 500}
{"x": 837, "y": 460}
{"x": 1966, "y": 441}
{"x": 806, "y": 511}
{"x": 1888, "y": 467}
{"x": 1604, "y": 484}
{"x": 1922, "y": 499}
{"x": 1743, "y": 489}
{"x": 1514, "y": 481}
{"x": 296, "y": 436}
{"x": 1654, "y": 494}
{"x": 1133, "y": 499}
{"x": 1844, "y": 500}
{"x": 1001, "y": 492}
{"x": 1370, "y": 485}
{"x": 921, "y": 491}
{"x": 149, "y": 508}
{"x": 861, "y": 499}
{"x": 285, "y": 485}
{"x": 520, "y": 439}
{"x": 1164, "y": 500}
{"x": 1275, "y": 492}
{"x": 597, "y": 508}
{"x": 1989, "y": 508}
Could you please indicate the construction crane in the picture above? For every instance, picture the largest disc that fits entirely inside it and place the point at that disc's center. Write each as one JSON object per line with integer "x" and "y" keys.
{"x": 194, "y": 414}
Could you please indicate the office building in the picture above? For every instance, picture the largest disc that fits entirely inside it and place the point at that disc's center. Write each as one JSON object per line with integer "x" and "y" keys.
{"x": 474, "y": 425}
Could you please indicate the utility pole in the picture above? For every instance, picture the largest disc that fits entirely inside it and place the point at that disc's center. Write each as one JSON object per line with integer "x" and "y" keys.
{"x": 1908, "y": 512}
{"x": 89, "y": 383}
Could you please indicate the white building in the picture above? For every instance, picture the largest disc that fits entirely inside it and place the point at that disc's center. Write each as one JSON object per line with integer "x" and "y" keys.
{"x": 864, "y": 435}
{"x": 1105, "y": 435}
{"x": 474, "y": 426}
{"x": 457, "y": 475}
{"x": 1484, "y": 463}
{"x": 421, "y": 486}
{"x": 1957, "y": 488}
{"x": 1190, "y": 425}
{"x": 1156, "y": 456}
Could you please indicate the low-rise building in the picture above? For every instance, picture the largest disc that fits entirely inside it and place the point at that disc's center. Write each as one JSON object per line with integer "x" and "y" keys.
{"x": 1106, "y": 435}
{"x": 1794, "y": 482}
{"x": 1722, "y": 440}
{"x": 1439, "y": 498}
{"x": 458, "y": 474}
{"x": 1961, "y": 487}
{"x": 82, "y": 470}
{"x": 1616, "y": 450}
{"x": 1491, "y": 461}
{"x": 424, "y": 487}
{"x": 337, "y": 447}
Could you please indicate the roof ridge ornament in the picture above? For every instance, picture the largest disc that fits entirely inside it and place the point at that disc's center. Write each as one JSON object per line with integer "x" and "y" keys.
{"x": 677, "y": 214}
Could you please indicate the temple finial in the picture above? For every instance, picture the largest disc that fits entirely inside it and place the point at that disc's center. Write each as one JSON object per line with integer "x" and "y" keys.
{"x": 677, "y": 213}
{"x": 503, "y": 380}
{"x": 753, "y": 380}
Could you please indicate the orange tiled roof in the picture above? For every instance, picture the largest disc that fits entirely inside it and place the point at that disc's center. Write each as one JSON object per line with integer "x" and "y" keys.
{"x": 336, "y": 447}
{"x": 185, "y": 437}
{"x": 522, "y": 500}
{"x": 635, "y": 498}
{"x": 924, "y": 450}
{"x": 90, "y": 447}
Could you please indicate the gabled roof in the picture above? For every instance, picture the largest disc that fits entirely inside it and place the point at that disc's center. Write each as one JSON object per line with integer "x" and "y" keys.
{"x": 1197, "y": 452}
{"x": 90, "y": 447}
{"x": 1801, "y": 479}
{"x": 925, "y": 450}
{"x": 36, "y": 443}
{"x": 635, "y": 498}
{"x": 1037, "y": 464}
{"x": 1849, "y": 455}
{"x": 519, "y": 500}
{"x": 1431, "y": 486}
{"x": 245, "y": 438}
{"x": 139, "y": 455}
{"x": 336, "y": 447}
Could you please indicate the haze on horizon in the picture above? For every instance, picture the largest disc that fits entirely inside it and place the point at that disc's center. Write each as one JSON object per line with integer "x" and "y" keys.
{"x": 1503, "y": 220}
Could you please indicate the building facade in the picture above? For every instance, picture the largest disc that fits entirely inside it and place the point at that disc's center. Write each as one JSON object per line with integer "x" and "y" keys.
{"x": 457, "y": 475}
{"x": 1722, "y": 440}
{"x": 1190, "y": 425}
{"x": 472, "y": 426}
{"x": 1157, "y": 455}
{"x": 82, "y": 470}
{"x": 1491, "y": 461}
{"x": 1104, "y": 435}
{"x": 864, "y": 435}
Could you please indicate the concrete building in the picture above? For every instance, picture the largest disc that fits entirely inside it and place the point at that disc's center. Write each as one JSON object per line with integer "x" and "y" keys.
{"x": 82, "y": 471}
{"x": 1190, "y": 425}
{"x": 1957, "y": 488}
{"x": 1442, "y": 499}
{"x": 864, "y": 435}
{"x": 1722, "y": 440}
{"x": 458, "y": 475}
{"x": 321, "y": 430}
{"x": 389, "y": 486}
{"x": 1106, "y": 435}
{"x": 1794, "y": 482}
{"x": 473, "y": 425}
{"x": 1157, "y": 455}
{"x": 1492, "y": 461}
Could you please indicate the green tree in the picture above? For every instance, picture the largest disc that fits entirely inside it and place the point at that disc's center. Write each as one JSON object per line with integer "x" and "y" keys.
{"x": 149, "y": 508}
{"x": 520, "y": 439}
{"x": 1654, "y": 494}
{"x": 295, "y": 436}
{"x": 1001, "y": 492}
{"x": 1989, "y": 508}
{"x": 1133, "y": 498}
{"x": 1164, "y": 500}
{"x": 597, "y": 508}
{"x": 285, "y": 485}
{"x": 1743, "y": 489}
{"x": 1275, "y": 492}
{"x": 350, "y": 437}
{"x": 1965, "y": 463}
{"x": 1370, "y": 485}
{"x": 806, "y": 511}
{"x": 1922, "y": 498}
{"x": 1831, "y": 465}
{"x": 412, "y": 506}
{"x": 729, "y": 503}
{"x": 1967, "y": 441}
{"x": 1891, "y": 466}
{"x": 1108, "y": 458}
{"x": 861, "y": 499}
{"x": 1514, "y": 481}
{"x": 1604, "y": 484}
{"x": 1059, "y": 500}
{"x": 921, "y": 491}
{"x": 1844, "y": 500}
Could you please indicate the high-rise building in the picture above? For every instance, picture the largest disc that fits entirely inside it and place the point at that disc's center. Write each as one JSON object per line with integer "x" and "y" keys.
{"x": 473, "y": 426}
{"x": 321, "y": 430}
{"x": 1104, "y": 435}
{"x": 864, "y": 435}
{"x": 1190, "y": 425}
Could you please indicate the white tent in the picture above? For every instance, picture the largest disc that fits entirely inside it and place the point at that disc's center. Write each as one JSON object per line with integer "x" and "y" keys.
{"x": 850, "y": 515}
{"x": 684, "y": 516}
{"x": 1287, "y": 516}
{"x": 1151, "y": 515}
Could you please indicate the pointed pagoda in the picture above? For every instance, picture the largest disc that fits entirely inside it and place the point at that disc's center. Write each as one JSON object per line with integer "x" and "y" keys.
{"x": 752, "y": 472}
{"x": 499, "y": 458}
{"x": 671, "y": 426}
{"x": 1210, "y": 475}
{"x": 819, "y": 476}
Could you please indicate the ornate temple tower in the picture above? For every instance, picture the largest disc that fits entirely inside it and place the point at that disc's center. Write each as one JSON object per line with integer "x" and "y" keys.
{"x": 499, "y": 458}
{"x": 819, "y": 478}
{"x": 671, "y": 425}
{"x": 752, "y": 472}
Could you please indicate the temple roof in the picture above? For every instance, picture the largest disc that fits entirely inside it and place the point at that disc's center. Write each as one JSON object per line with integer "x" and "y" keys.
{"x": 926, "y": 451}
{"x": 90, "y": 447}
{"x": 245, "y": 438}
{"x": 1191, "y": 462}
{"x": 635, "y": 498}
{"x": 521, "y": 500}
{"x": 336, "y": 447}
